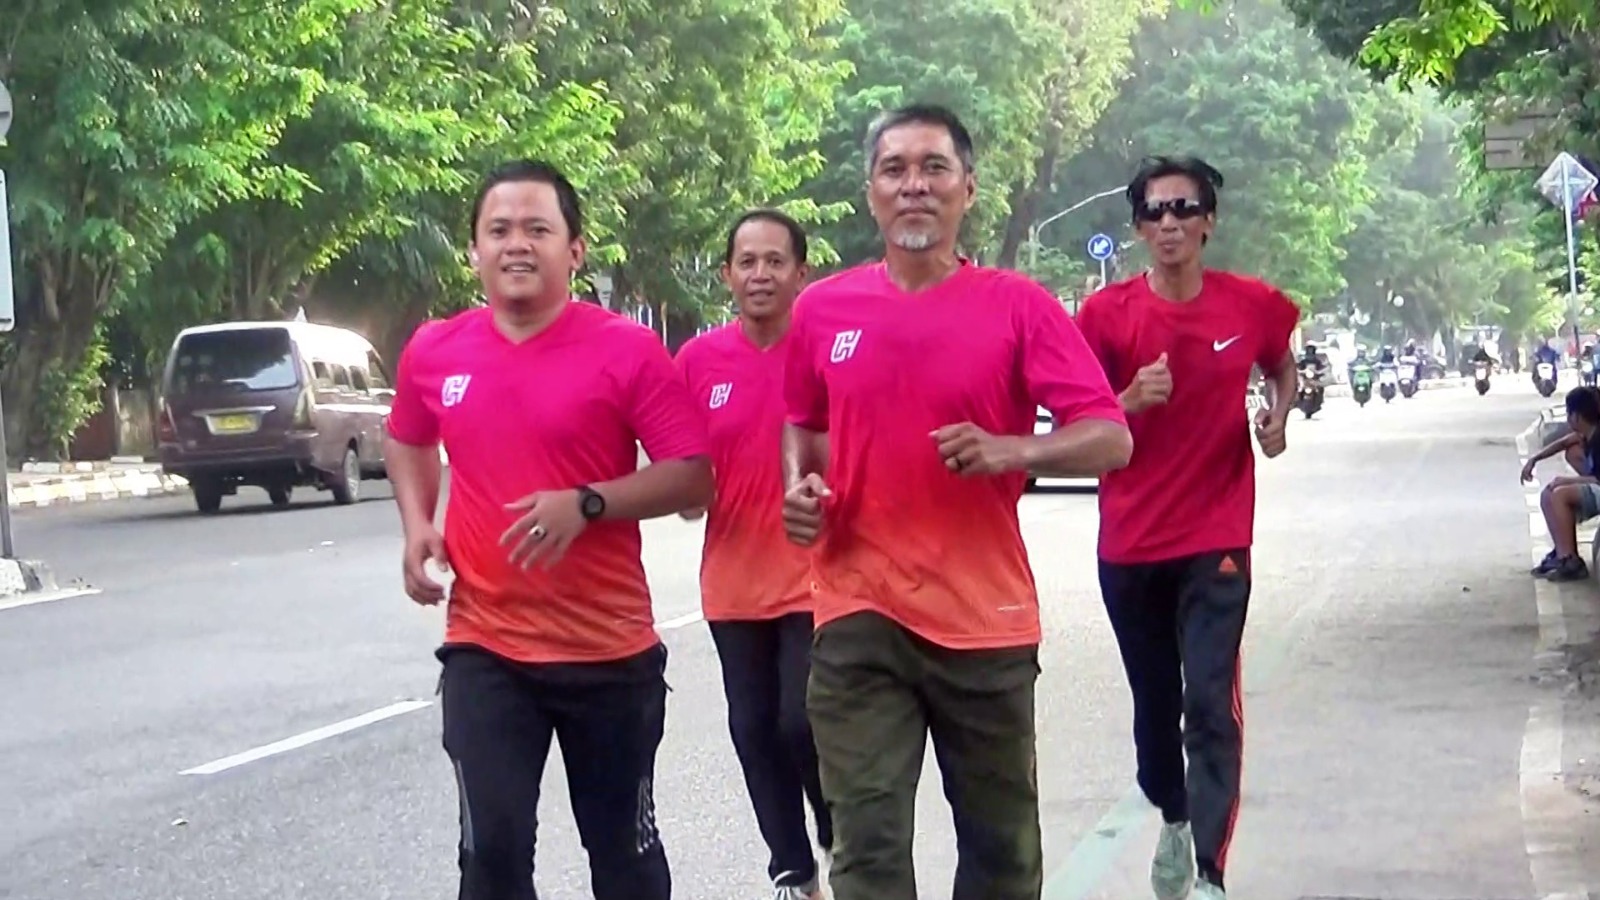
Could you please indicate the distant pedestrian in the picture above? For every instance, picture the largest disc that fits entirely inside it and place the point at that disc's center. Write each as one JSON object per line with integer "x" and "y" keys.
{"x": 539, "y": 401}
{"x": 1176, "y": 524}
{"x": 755, "y": 585}
{"x": 912, "y": 389}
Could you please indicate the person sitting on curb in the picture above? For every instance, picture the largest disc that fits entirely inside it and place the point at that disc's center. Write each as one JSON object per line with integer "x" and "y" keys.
{"x": 1569, "y": 499}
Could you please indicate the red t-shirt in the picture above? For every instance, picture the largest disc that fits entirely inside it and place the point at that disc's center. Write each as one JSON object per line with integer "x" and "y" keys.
{"x": 878, "y": 369}
{"x": 1190, "y": 487}
{"x": 750, "y": 569}
{"x": 562, "y": 409}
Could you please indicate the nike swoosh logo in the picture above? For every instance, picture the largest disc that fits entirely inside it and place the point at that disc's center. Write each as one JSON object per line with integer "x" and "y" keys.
{"x": 1220, "y": 346}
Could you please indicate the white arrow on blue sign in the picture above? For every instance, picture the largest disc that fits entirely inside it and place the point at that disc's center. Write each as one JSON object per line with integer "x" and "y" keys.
{"x": 1101, "y": 246}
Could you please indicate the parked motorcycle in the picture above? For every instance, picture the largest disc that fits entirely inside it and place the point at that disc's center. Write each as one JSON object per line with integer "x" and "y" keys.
{"x": 1480, "y": 378}
{"x": 1544, "y": 378}
{"x": 1361, "y": 383}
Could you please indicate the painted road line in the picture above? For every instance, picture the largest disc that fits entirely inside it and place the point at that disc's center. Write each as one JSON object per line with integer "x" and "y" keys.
{"x": 680, "y": 621}
{"x": 45, "y": 597}
{"x": 309, "y": 737}
{"x": 1101, "y": 848}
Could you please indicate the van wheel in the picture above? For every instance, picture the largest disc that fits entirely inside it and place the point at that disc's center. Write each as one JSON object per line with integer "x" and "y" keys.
{"x": 279, "y": 494}
{"x": 346, "y": 486}
{"x": 207, "y": 496}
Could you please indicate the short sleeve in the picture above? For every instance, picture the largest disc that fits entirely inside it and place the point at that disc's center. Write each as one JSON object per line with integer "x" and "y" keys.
{"x": 1062, "y": 373}
{"x": 661, "y": 411}
{"x": 805, "y": 394}
{"x": 410, "y": 421}
{"x": 1092, "y": 323}
{"x": 1279, "y": 316}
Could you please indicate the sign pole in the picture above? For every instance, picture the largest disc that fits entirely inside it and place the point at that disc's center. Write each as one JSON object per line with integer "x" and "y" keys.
{"x": 1572, "y": 247}
{"x": 1563, "y": 183}
{"x": 7, "y": 302}
{"x": 8, "y": 321}
{"x": 1102, "y": 273}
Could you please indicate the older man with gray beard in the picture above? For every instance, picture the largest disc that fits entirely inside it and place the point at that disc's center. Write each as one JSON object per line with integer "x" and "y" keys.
{"x": 912, "y": 386}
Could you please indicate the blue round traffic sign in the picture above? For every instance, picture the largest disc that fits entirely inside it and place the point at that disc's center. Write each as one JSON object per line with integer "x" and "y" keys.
{"x": 1101, "y": 246}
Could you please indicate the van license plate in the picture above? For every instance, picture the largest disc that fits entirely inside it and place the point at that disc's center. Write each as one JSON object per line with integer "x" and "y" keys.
{"x": 241, "y": 424}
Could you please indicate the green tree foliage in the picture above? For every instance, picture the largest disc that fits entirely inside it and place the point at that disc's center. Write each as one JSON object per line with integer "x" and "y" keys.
{"x": 1288, "y": 126}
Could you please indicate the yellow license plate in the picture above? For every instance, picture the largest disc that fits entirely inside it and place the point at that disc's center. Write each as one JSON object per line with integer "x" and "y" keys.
{"x": 233, "y": 424}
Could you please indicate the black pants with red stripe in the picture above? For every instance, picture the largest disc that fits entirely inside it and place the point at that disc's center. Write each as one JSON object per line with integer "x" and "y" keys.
{"x": 1179, "y": 624}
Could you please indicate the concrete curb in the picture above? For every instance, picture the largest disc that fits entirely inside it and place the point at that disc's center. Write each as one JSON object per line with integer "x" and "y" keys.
{"x": 25, "y": 576}
{"x": 94, "y": 485}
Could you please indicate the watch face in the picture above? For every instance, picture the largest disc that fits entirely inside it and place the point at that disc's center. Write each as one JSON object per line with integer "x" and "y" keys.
{"x": 593, "y": 504}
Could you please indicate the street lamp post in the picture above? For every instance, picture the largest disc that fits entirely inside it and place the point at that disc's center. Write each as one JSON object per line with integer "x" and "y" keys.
{"x": 1033, "y": 230}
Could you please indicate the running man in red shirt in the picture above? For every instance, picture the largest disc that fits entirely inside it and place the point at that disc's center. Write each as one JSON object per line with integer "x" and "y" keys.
{"x": 1180, "y": 343}
{"x": 755, "y": 585}
{"x": 912, "y": 388}
{"x": 539, "y": 401}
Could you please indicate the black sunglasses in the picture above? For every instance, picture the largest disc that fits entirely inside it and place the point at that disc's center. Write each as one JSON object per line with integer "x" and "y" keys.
{"x": 1182, "y": 209}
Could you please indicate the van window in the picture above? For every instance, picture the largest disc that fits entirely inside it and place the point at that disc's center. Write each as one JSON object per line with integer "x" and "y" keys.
{"x": 245, "y": 359}
{"x": 358, "y": 379}
{"x": 324, "y": 378}
{"x": 341, "y": 376}
{"x": 377, "y": 376}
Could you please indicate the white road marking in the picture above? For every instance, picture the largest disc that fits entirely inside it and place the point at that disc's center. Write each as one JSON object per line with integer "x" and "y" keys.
{"x": 1544, "y": 797}
{"x": 22, "y": 600}
{"x": 308, "y": 737}
{"x": 680, "y": 621}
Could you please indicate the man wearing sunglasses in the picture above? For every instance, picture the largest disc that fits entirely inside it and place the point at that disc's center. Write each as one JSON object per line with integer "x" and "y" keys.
{"x": 1180, "y": 342}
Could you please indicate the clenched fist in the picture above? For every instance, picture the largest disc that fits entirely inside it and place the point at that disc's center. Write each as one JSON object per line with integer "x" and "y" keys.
{"x": 1151, "y": 386}
{"x": 802, "y": 509}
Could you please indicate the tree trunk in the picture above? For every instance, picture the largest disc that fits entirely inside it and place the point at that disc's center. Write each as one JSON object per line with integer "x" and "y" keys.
{"x": 1025, "y": 197}
{"x": 41, "y": 344}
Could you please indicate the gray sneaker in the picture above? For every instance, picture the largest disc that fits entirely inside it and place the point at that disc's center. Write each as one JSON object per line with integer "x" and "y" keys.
{"x": 1172, "y": 870}
{"x": 808, "y": 891}
{"x": 1205, "y": 890}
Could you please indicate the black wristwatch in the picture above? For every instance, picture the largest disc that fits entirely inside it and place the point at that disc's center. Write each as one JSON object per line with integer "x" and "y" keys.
{"x": 591, "y": 503}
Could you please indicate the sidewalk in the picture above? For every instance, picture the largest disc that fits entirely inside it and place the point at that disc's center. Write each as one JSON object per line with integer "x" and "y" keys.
{"x": 1561, "y": 748}
{"x": 45, "y": 484}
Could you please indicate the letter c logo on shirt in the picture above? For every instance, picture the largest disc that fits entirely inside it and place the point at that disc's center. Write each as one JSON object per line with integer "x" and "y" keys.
{"x": 844, "y": 345}
{"x": 719, "y": 394}
{"x": 455, "y": 389}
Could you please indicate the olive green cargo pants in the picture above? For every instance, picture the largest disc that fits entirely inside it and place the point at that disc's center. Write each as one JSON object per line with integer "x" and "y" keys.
{"x": 876, "y": 694}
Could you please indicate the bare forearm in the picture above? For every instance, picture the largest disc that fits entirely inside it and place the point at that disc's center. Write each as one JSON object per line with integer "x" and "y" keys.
{"x": 415, "y": 473}
{"x": 659, "y": 489}
{"x": 805, "y": 452}
{"x": 1087, "y": 448}
{"x": 1129, "y": 404}
{"x": 1559, "y": 445}
{"x": 1282, "y": 386}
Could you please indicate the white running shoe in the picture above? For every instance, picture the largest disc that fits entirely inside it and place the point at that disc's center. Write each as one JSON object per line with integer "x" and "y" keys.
{"x": 1172, "y": 870}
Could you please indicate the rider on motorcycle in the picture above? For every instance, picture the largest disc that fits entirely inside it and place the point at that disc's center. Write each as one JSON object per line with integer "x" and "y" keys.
{"x": 1386, "y": 356}
{"x": 1547, "y": 354}
{"x": 1482, "y": 356}
{"x": 1318, "y": 363}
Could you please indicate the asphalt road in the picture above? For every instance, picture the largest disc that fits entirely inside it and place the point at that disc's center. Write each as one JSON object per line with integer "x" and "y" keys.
{"x": 1388, "y": 671}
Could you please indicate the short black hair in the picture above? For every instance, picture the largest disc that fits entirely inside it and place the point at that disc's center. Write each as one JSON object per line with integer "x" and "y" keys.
{"x": 1207, "y": 180}
{"x": 1584, "y": 402}
{"x": 797, "y": 232}
{"x": 922, "y": 114}
{"x": 536, "y": 170}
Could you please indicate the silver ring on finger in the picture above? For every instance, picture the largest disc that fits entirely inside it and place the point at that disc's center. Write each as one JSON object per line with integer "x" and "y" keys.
{"x": 538, "y": 532}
